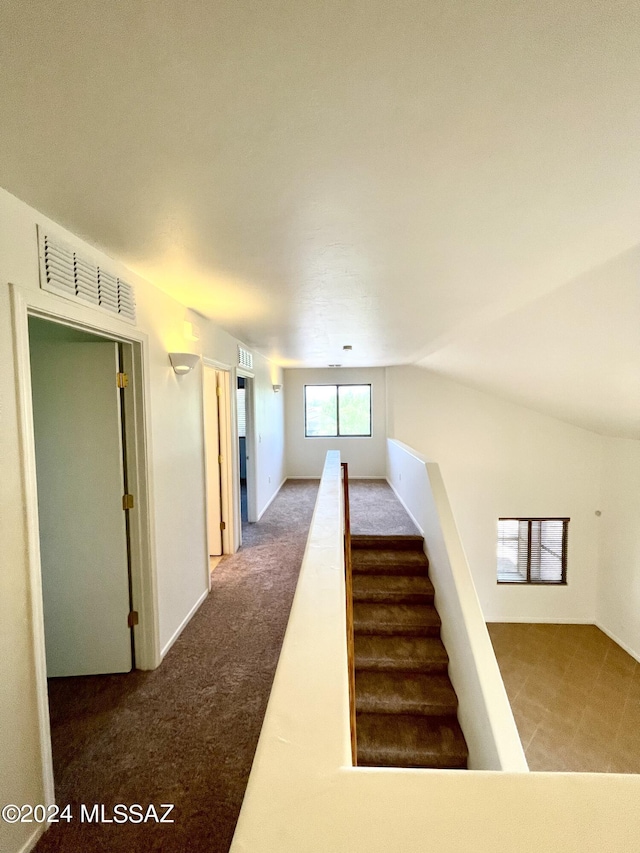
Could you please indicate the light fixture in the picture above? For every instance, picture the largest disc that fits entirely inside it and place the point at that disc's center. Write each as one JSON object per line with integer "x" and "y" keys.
{"x": 183, "y": 362}
{"x": 277, "y": 389}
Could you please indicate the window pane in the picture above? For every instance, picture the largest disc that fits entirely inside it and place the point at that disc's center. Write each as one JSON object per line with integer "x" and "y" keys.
{"x": 510, "y": 567}
{"x": 355, "y": 409}
{"x": 550, "y": 556}
{"x": 320, "y": 410}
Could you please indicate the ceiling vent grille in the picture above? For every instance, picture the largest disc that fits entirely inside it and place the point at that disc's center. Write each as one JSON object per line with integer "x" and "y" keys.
{"x": 245, "y": 358}
{"x": 67, "y": 273}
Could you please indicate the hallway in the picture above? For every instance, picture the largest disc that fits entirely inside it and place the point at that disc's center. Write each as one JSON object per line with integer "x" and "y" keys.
{"x": 185, "y": 733}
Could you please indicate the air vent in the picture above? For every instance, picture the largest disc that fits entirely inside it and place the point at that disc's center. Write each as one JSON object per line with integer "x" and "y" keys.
{"x": 108, "y": 290}
{"x": 67, "y": 273}
{"x": 58, "y": 267}
{"x": 245, "y": 358}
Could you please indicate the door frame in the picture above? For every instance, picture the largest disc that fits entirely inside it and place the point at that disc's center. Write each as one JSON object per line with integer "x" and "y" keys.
{"x": 229, "y": 541}
{"x": 251, "y": 443}
{"x": 28, "y": 303}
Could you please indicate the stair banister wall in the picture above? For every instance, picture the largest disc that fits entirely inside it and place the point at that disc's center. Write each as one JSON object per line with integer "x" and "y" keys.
{"x": 484, "y": 711}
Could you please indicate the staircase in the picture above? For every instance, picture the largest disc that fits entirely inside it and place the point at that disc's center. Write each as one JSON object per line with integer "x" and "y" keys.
{"x": 406, "y": 708}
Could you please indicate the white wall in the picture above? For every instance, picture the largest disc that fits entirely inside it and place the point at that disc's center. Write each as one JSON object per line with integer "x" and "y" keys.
{"x": 305, "y": 456}
{"x": 500, "y": 459}
{"x": 618, "y": 610}
{"x": 177, "y": 482}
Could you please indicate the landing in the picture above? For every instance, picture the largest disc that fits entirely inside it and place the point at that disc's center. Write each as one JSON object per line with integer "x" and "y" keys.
{"x": 375, "y": 510}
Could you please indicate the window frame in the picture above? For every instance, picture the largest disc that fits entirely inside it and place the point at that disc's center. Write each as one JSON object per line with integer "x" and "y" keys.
{"x": 565, "y": 537}
{"x": 338, "y": 385}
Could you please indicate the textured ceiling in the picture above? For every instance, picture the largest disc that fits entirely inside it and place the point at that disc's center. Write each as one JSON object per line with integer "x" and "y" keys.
{"x": 396, "y": 176}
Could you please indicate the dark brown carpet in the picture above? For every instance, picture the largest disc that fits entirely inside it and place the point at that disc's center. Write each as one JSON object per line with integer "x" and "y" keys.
{"x": 187, "y": 732}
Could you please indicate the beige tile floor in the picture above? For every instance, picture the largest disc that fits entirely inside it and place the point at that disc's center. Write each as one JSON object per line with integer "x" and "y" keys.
{"x": 575, "y": 696}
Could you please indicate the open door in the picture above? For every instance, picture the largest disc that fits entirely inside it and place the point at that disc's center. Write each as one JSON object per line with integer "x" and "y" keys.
{"x": 213, "y": 460}
{"x": 83, "y": 523}
{"x": 216, "y": 389}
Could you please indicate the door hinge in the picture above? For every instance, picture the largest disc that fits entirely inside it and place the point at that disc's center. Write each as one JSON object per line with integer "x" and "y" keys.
{"x": 223, "y": 526}
{"x": 122, "y": 380}
{"x": 132, "y": 619}
{"x": 127, "y": 502}
{"x": 218, "y": 391}
{"x": 220, "y": 460}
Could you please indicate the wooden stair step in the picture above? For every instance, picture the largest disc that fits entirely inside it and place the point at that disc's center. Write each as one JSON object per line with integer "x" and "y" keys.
{"x": 393, "y": 740}
{"x": 388, "y": 543}
{"x": 407, "y": 654}
{"x": 420, "y": 620}
{"x": 389, "y": 562}
{"x": 404, "y": 693}
{"x": 393, "y": 589}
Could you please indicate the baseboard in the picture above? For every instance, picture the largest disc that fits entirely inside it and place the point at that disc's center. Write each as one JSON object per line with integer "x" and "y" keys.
{"x": 184, "y": 623}
{"x": 272, "y": 498}
{"x": 406, "y": 508}
{"x": 31, "y": 842}
{"x": 619, "y": 642}
{"x": 351, "y": 477}
{"x": 366, "y": 477}
{"x": 539, "y": 620}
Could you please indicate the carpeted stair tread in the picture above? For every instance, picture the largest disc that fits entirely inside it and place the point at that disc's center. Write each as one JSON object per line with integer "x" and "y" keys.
{"x": 419, "y": 620}
{"x": 393, "y": 589}
{"x": 408, "y": 654}
{"x": 389, "y": 562}
{"x": 404, "y": 693}
{"x": 392, "y": 740}
{"x": 388, "y": 543}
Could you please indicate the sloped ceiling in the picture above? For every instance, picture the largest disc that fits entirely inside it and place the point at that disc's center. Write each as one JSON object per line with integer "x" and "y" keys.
{"x": 425, "y": 181}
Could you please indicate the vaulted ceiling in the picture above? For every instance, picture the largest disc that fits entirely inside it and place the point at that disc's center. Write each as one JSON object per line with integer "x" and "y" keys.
{"x": 450, "y": 183}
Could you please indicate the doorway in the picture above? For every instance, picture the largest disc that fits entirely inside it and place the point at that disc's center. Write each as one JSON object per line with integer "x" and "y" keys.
{"x": 246, "y": 446}
{"x": 79, "y": 417}
{"x": 28, "y": 306}
{"x": 241, "y": 403}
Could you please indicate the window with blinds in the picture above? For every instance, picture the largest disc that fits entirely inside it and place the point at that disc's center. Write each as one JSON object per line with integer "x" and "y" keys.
{"x": 532, "y": 550}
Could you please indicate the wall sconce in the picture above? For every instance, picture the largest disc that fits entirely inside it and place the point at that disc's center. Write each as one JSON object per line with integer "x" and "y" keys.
{"x": 277, "y": 389}
{"x": 183, "y": 362}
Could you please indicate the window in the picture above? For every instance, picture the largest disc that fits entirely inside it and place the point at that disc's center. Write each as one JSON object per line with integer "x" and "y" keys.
{"x": 337, "y": 410}
{"x": 532, "y": 550}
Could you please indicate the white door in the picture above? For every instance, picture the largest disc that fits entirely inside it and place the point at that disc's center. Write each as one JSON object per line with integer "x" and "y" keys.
{"x": 223, "y": 379}
{"x": 212, "y": 447}
{"x": 83, "y": 537}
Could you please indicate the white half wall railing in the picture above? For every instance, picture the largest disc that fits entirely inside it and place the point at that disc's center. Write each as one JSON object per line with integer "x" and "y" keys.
{"x": 483, "y": 710}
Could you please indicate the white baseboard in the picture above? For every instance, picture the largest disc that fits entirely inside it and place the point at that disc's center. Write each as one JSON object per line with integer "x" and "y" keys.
{"x": 406, "y": 508}
{"x": 540, "y": 620}
{"x": 620, "y": 642}
{"x": 184, "y": 623}
{"x": 33, "y": 839}
{"x": 271, "y": 499}
{"x": 351, "y": 477}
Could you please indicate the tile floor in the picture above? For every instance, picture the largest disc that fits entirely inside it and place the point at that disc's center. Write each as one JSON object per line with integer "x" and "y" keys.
{"x": 575, "y": 696}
